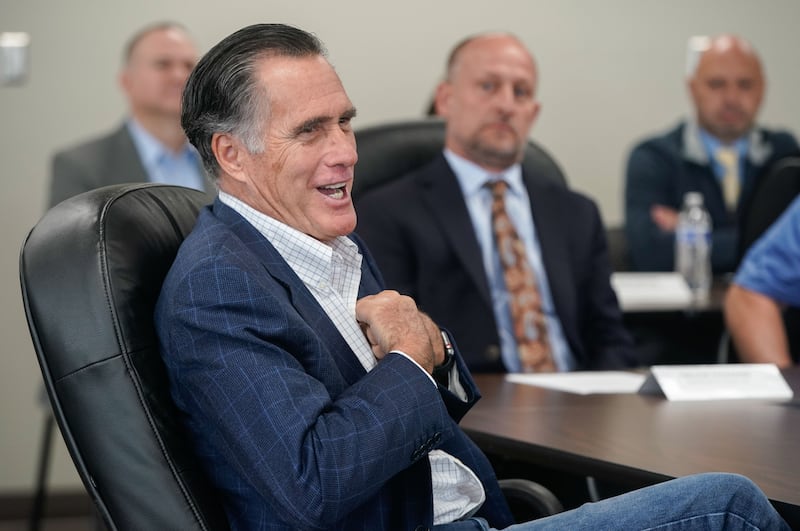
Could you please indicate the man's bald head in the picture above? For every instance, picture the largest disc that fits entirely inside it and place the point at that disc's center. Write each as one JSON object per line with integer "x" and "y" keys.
{"x": 727, "y": 87}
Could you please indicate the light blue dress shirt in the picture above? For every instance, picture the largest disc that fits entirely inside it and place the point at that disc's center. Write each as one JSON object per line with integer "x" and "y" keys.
{"x": 162, "y": 165}
{"x": 712, "y": 144}
{"x": 472, "y": 179}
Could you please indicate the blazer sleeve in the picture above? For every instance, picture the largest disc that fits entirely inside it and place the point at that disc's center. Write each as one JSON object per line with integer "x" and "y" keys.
{"x": 647, "y": 183}
{"x": 257, "y": 382}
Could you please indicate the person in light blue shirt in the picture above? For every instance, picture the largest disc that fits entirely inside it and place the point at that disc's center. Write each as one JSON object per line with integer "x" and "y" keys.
{"x": 431, "y": 230}
{"x": 767, "y": 281}
{"x": 150, "y": 146}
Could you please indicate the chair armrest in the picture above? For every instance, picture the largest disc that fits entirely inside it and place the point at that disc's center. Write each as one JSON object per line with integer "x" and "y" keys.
{"x": 529, "y": 500}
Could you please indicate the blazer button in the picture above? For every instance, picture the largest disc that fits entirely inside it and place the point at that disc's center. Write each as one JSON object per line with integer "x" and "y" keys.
{"x": 422, "y": 528}
{"x": 435, "y": 439}
{"x": 416, "y": 454}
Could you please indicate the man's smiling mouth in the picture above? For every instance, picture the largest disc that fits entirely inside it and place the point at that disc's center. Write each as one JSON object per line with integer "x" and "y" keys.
{"x": 334, "y": 191}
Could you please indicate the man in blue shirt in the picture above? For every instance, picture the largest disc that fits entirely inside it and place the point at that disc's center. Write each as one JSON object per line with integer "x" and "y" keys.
{"x": 767, "y": 281}
{"x": 150, "y": 145}
{"x": 432, "y": 231}
{"x": 720, "y": 153}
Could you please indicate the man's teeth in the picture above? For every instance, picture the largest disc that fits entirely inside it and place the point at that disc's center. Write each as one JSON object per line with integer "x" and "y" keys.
{"x": 334, "y": 191}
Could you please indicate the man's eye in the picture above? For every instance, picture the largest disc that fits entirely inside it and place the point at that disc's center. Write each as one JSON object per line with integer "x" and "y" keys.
{"x": 488, "y": 86}
{"x": 522, "y": 92}
{"x": 345, "y": 122}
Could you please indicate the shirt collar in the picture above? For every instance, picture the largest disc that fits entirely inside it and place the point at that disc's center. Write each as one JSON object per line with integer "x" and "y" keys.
{"x": 151, "y": 150}
{"x": 310, "y": 258}
{"x": 472, "y": 177}
{"x": 712, "y": 143}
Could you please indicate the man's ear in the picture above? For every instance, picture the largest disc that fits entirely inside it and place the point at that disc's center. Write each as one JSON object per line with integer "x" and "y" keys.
{"x": 230, "y": 155}
{"x": 537, "y": 109}
{"x": 124, "y": 81}
{"x": 441, "y": 99}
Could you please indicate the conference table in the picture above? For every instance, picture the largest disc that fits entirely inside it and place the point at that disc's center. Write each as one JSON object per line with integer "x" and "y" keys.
{"x": 669, "y": 332}
{"x": 638, "y": 440}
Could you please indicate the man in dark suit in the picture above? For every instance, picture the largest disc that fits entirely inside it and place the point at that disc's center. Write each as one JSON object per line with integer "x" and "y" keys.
{"x": 430, "y": 232}
{"x": 150, "y": 145}
{"x": 315, "y": 399}
{"x": 720, "y": 152}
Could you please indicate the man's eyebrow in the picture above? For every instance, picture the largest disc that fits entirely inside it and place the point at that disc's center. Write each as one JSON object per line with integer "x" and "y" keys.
{"x": 316, "y": 121}
{"x": 349, "y": 113}
{"x": 310, "y": 124}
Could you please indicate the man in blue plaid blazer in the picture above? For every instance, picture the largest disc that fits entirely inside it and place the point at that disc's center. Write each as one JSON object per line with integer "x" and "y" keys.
{"x": 315, "y": 399}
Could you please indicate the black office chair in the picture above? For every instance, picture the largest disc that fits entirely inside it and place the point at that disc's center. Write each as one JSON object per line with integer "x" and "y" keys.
{"x": 91, "y": 271}
{"x": 389, "y": 151}
{"x": 774, "y": 192}
{"x": 618, "y": 248}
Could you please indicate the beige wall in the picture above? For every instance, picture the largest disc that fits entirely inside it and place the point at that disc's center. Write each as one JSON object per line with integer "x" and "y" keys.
{"x": 611, "y": 72}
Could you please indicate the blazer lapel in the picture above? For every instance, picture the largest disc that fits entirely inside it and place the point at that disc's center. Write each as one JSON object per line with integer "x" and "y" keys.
{"x": 552, "y": 242}
{"x": 298, "y": 294}
{"x": 127, "y": 157}
{"x": 443, "y": 197}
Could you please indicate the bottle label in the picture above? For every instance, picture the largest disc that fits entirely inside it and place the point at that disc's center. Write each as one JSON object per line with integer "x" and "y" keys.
{"x": 693, "y": 236}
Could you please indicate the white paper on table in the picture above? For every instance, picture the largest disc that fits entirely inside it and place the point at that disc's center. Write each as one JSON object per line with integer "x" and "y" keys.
{"x": 583, "y": 382}
{"x": 718, "y": 382}
{"x": 641, "y": 291}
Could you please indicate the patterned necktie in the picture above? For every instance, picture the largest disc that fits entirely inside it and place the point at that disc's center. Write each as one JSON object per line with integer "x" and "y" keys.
{"x": 523, "y": 296}
{"x": 728, "y": 158}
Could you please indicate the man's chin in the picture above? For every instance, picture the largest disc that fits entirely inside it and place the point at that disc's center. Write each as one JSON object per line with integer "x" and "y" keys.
{"x": 498, "y": 158}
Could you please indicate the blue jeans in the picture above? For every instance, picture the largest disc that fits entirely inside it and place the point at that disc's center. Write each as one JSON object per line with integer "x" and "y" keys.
{"x": 698, "y": 502}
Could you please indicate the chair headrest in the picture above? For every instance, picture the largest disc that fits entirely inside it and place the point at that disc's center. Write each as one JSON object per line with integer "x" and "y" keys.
{"x": 389, "y": 151}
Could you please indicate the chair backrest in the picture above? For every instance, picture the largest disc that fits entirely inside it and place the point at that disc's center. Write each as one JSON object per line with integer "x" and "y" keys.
{"x": 389, "y": 151}
{"x": 774, "y": 191}
{"x": 91, "y": 271}
{"x": 618, "y": 248}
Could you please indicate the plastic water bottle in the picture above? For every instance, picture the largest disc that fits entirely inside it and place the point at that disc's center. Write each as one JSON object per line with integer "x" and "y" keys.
{"x": 693, "y": 245}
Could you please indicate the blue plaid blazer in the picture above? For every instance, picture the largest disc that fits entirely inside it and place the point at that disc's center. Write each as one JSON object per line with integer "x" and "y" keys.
{"x": 291, "y": 429}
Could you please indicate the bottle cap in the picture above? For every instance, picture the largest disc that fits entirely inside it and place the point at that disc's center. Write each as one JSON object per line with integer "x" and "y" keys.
{"x": 693, "y": 198}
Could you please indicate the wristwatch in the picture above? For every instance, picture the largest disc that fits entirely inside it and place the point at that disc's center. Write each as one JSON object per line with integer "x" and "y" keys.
{"x": 441, "y": 373}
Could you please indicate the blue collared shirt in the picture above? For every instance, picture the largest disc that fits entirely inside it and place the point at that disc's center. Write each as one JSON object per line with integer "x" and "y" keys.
{"x": 164, "y": 166}
{"x": 712, "y": 144}
{"x": 472, "y": 179}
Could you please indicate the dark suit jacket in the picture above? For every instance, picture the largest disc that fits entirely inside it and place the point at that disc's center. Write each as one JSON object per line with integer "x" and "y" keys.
{"x": 662, "y": 169}
{"x": 110, "y": 159}
{"x": 291, "y": 429}
{"x": 419, "y": 230}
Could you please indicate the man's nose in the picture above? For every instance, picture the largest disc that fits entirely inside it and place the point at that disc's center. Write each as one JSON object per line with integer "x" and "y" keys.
{"x": 343, "y": 148}
{"x": 504, "y": 98}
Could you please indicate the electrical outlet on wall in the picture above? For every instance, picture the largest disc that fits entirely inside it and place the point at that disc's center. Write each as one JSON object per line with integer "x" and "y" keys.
{"x": 14, "y": 57}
